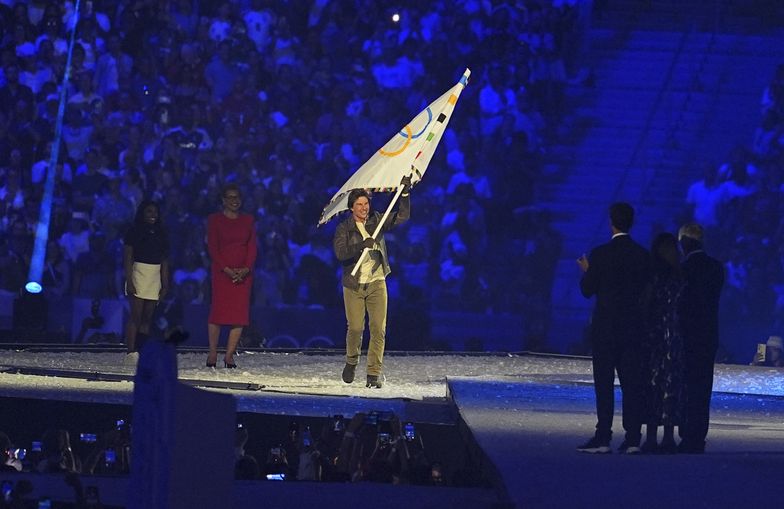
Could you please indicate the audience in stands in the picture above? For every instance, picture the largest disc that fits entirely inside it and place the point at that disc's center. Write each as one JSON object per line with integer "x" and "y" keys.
{"x": 170, "y": 100}
{"x": 742, "y": 201}
{"x": 57, "y": 453}
{"x": 374, "y": 446}
{"x": 9, "y": 462}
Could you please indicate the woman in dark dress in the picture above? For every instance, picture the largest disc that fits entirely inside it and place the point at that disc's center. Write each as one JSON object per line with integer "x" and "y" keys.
{"x": 664, "y": 345}
{"x": 231, "y": 242}
{"x": 146, "y": 270}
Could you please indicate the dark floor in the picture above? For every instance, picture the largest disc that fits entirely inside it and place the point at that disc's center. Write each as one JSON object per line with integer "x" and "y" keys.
{"x": 530, "y": 431}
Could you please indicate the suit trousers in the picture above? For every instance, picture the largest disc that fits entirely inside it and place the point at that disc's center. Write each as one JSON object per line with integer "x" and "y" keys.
{"x": 370, "y": 298}
{"x": 626, "y": 359}
{"x": 698, "y": 376}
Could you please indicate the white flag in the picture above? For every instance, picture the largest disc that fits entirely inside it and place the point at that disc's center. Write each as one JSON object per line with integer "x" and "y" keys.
{"x": 408, "y": 152}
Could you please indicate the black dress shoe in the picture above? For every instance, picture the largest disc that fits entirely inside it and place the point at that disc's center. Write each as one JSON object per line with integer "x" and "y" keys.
{"x": 348, "y": 372}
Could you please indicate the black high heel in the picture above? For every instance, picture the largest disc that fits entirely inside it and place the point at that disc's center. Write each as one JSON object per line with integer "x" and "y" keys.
{"x": 230, "y": 366}
{"x": 211, "y": 364}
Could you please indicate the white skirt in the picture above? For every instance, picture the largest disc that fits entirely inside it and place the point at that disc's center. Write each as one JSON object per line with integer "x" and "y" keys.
{"x": 146, "y": 279}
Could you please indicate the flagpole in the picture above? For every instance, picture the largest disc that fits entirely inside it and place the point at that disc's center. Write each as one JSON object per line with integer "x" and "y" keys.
{"x": 378, "y": 228}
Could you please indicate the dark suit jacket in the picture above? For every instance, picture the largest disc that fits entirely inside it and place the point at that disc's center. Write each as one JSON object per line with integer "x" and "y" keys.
{"x": 700, "y": 302}
{"x": 617, "y": 274}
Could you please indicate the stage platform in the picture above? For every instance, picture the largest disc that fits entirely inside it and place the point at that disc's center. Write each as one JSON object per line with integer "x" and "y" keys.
{"x": 521, "y": 415}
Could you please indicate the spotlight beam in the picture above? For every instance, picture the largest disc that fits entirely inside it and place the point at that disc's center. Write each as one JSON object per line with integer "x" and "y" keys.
{"x": 35, "y": 275}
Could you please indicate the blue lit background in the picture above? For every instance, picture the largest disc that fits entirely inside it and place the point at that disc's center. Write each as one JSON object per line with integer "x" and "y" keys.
{"x": 572, "y": 105}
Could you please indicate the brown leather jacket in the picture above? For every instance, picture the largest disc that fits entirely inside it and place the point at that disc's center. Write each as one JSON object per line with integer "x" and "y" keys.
{"x": 347, "y": 243}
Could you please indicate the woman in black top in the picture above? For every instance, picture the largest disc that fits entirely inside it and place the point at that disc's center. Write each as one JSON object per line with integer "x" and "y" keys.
{"x": 146, "y": 269}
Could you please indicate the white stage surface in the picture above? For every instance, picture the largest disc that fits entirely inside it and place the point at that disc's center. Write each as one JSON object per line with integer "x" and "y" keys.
{"x": 410, "y": 375}
{"x": 307, "y": 383}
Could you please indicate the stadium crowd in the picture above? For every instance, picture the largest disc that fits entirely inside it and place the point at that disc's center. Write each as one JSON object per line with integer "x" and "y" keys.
{"x": 741, "y": 202}
{"x": 366, "y": 447}
{"x": 171, "y": 99}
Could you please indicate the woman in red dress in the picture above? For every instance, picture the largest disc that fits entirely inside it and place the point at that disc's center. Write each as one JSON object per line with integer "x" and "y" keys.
{"x": 231, "y": 242}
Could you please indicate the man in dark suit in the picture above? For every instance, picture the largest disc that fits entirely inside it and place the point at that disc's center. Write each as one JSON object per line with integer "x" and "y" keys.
{"x": 700, "y": 324}
{"x": 617, "y": 273}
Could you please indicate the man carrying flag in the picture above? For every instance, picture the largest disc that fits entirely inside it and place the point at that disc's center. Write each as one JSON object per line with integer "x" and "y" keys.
{"x": 359, "y": 241}
{"x": 365, "y": 290}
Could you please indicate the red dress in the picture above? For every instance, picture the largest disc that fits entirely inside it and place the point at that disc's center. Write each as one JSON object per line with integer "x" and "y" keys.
{"x": 231, "y": 243}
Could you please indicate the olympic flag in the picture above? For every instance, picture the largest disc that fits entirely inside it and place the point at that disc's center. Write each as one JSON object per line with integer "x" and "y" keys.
{"x": 407, "y": 153}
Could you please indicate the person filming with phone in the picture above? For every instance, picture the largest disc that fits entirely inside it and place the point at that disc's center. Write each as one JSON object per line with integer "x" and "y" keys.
{"x": 770, "y": 353}
{"x": 8, "y": 460}
{"x": 58, "y": 456}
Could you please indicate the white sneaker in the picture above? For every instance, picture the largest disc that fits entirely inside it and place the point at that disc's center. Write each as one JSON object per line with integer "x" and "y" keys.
{"x": 595, "y": 446}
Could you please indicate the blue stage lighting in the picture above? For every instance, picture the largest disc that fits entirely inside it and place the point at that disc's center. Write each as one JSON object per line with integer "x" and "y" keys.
{"x": 42, "y": 230}
{"x": 33, "y": 287}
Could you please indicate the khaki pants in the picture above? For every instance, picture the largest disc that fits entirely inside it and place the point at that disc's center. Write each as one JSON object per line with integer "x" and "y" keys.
{"x": 370, "y": 298}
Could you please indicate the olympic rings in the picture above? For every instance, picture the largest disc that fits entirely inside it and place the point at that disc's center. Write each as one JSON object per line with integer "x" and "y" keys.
{"x": 401, "y": 149}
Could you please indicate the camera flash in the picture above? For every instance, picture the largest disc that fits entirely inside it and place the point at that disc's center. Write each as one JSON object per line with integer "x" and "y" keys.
{"x": 395, "y": 18}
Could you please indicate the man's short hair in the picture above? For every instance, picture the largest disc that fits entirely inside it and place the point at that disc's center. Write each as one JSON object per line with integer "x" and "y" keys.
{"x": 622, "y": 216}
{"x": 693, "y": 231}
{"x": 355, "y": 194}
